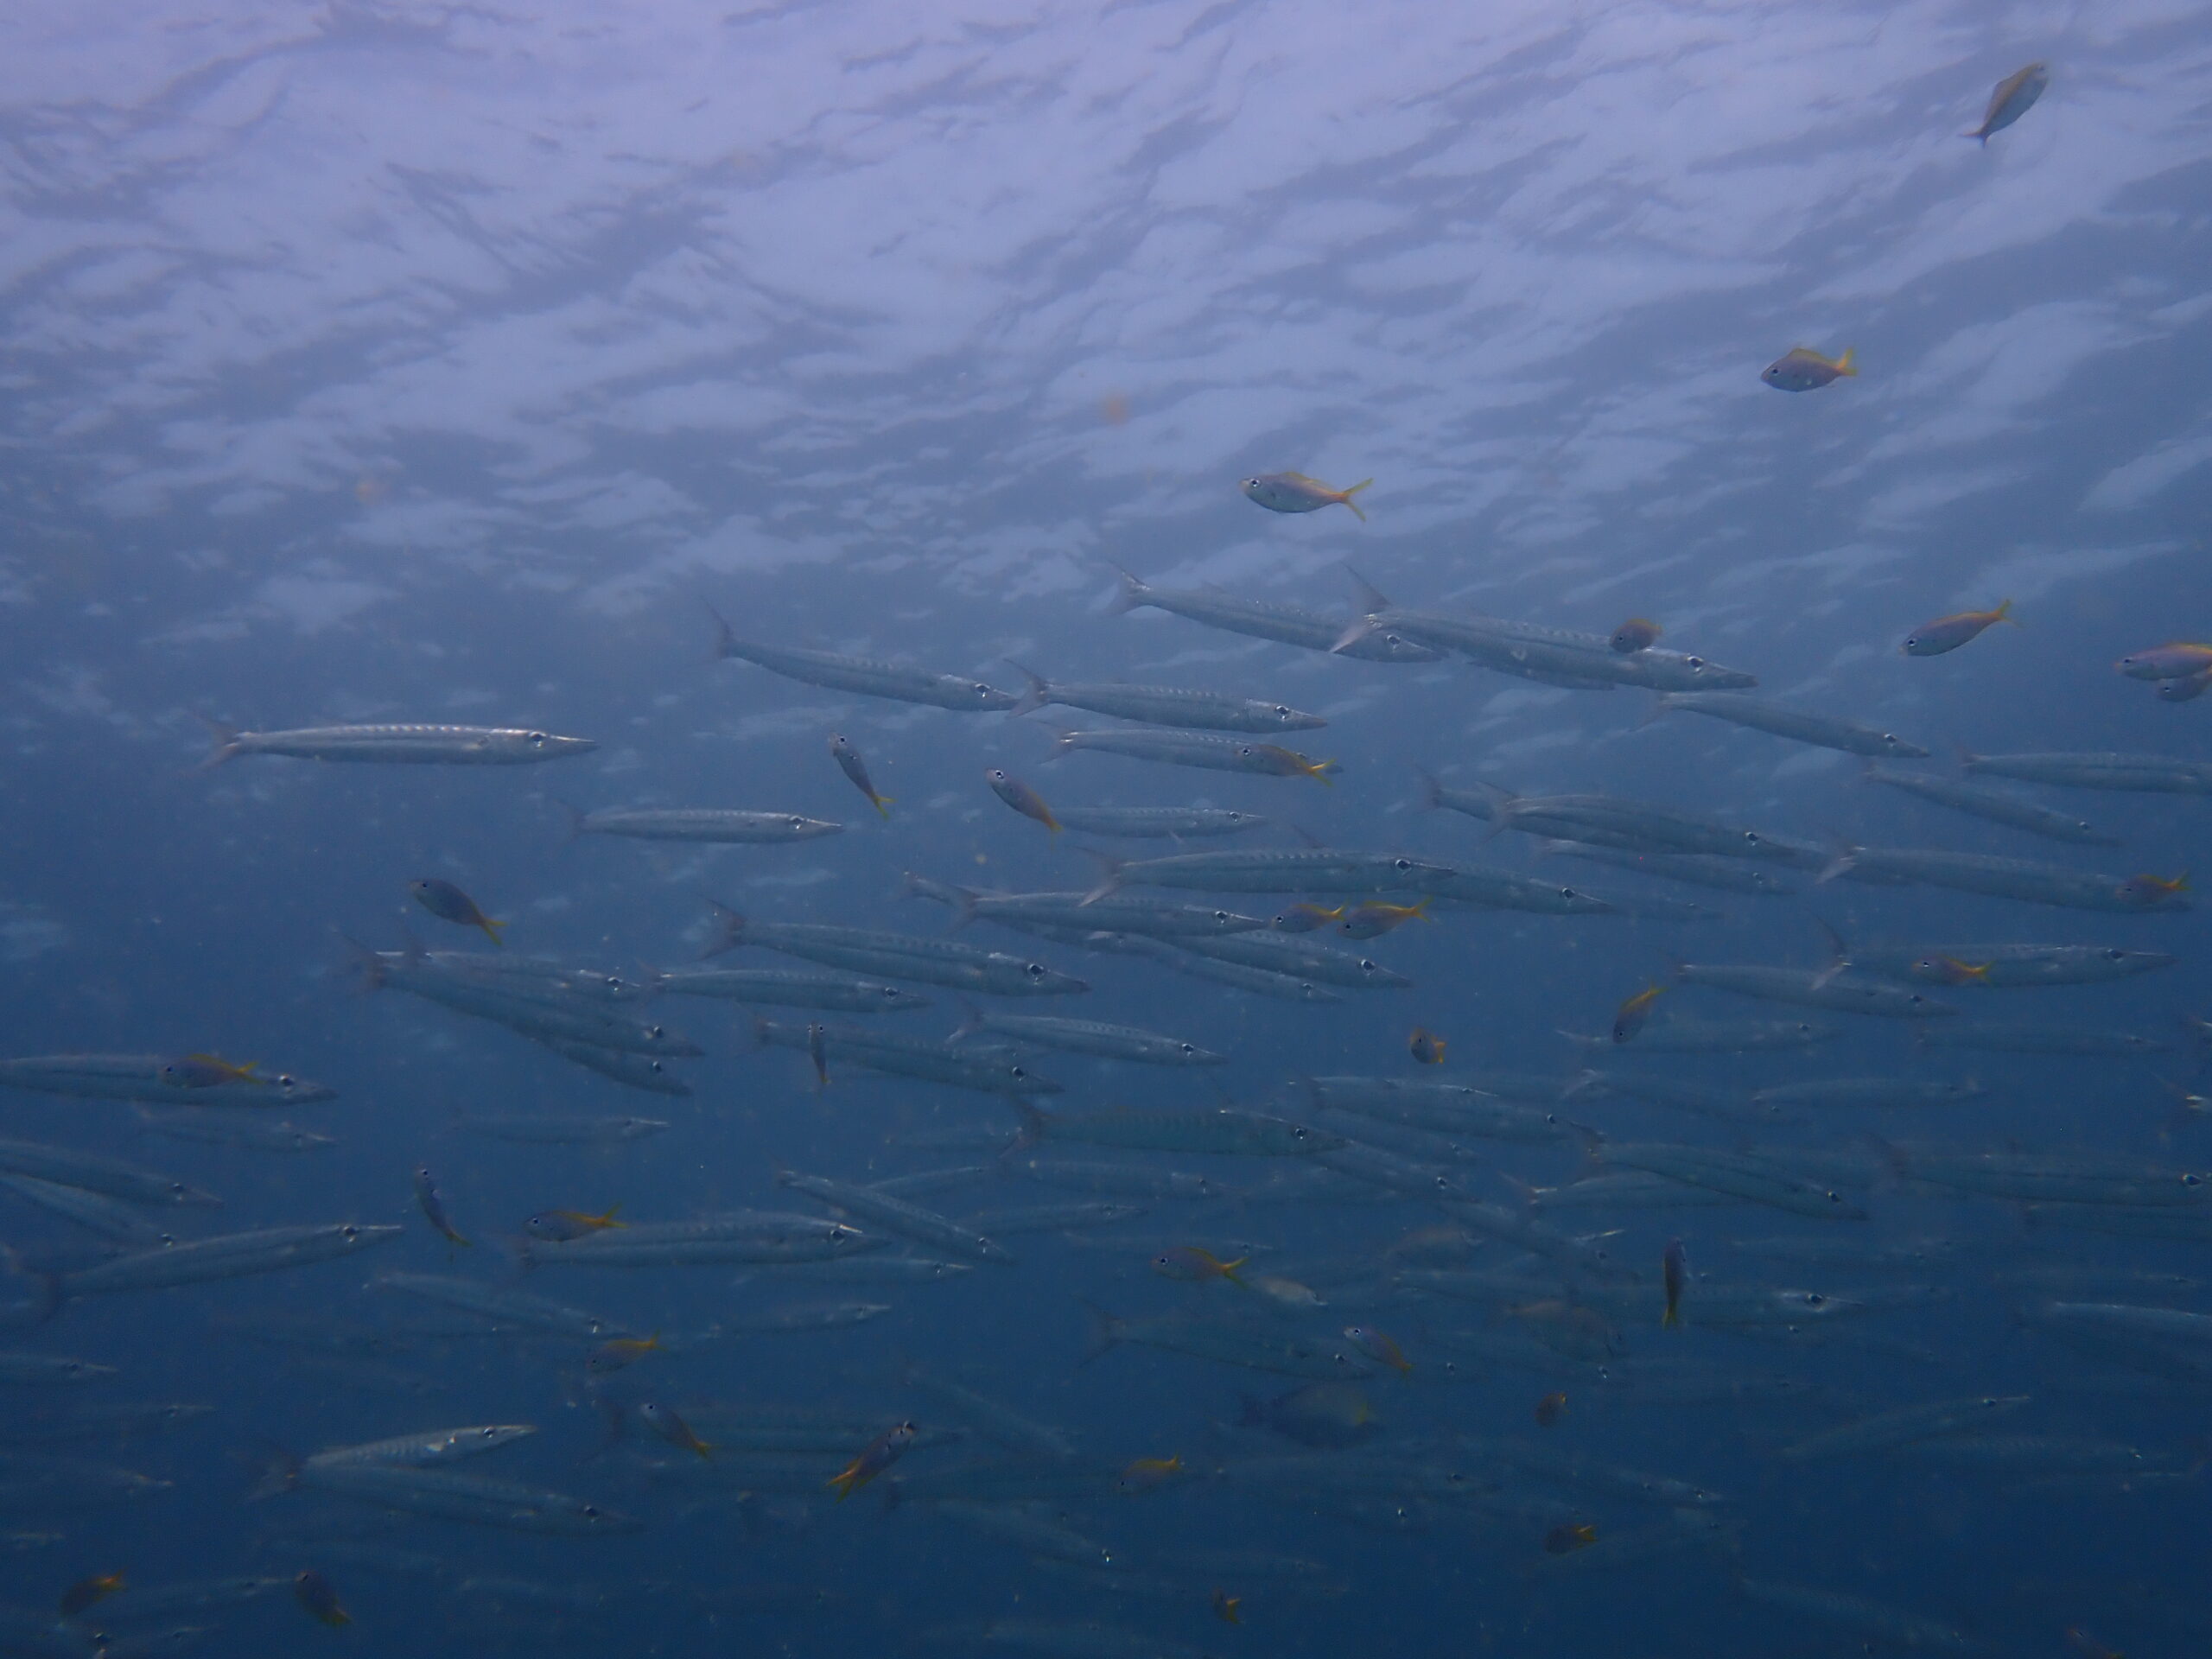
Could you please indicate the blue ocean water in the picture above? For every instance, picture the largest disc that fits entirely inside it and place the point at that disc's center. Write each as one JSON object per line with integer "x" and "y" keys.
{"x": 374, "y": 363}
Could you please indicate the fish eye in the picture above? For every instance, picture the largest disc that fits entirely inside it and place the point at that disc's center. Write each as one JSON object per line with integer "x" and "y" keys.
{"x": 1566, "y": 892}
{"x": 655, "y": 1067}
{"x": 590, "y": 1511}
{"x": 1015, "y": 1072}
{"x": 2192, "y": 1180}
{"x": 1365, "y": 966}
{"x": 1186, "y": 1048}
{"x": 537, "y": 740}
{"x": 1283, "y": 711}
{"x": 349, "y": 1232}
{"x": 796, "y": 823}
{"x": 1034, "y": 969}
{"x": 2115, "y": 955}
{"x": 1833, "y": 1197}
{"x": 1697, "y": 663}
{"x": 655, "y": 1032}
{"x": 1402, "y": 863}
{"x": 1297, "y": 1133}
{"x": 981, "y": 690}
{"x": 1815, "y": 1300}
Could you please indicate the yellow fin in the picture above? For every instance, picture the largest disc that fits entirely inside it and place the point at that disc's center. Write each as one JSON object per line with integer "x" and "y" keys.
{"x": 1848, "y": 363}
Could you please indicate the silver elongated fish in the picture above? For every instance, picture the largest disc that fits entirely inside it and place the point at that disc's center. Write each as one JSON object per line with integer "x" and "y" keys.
{"x": 1284, "y": 988}
{"x": 1469, "y": 884}
{"x": 1748, "y": 1176}
{"x": 1091, "y": 1037}
{"x": 1610, "y": 821}
{"x": 1842, "y": 992}
{"x": 1274, "y": 954}
{"x": 405, "y": 745}
{"x": 45, "y": 1370}
{"x": 1085, "y": 911}
{"x": 896, "y": 1215}
{"x": 1267, "y": 869}
{"x": 429, "y": 1448}
{"x": 1441, "y": 1107}
{"x": 1157, "y": 823}
{"x": 992, "y": 1070}
{"x": 1129, "y": 1180}
{"x": 708, "y": 824}
{"x": 451, "y": 1495}
{"x": 231, "y": 1256}
{"x": 1258, "y": 1350}
{"x": 1716, "y": 1036}
{"x": 1053, "y": 1218}
{"x": 1196, "y": 749}
{"x": 500, "y": 1304}
{"x": 864, "y": 674}
{"x": 1901, "y": 1427}
{"x": 1166, "y": 705}
{"x": 2006, "y": 877}
{"x": 139, "y": 1077}
{"x": 1692, "y": 870}
{"x": 1222, "y": 1129}
{"x": 1288, "y": 625}
{"x": 558, "y": 1130}
{"x": 646, "y": 1071}
{"x": 2154, "y": 774}
{"x": 2039, "y": 1037}
{"x": 1993, "y": 805}
{"x": 2055, "y": 1176}
{"x": 1877, "y": 1619}
{"x": 2007, "y": 965}
{"x": 547, "y": 1010}
{"x": 1823, "y": 1093}
{"x": 94, "y": 1173}
{"x": 1564, "y": 657}
{"x": 111, "y": 1218}
{"x": 785, "y": 987}
{"x": 898, "y": 956}
{"x": 762, "y": 1238}
{"x": 1823, "y": 731}
{"x": 257, "y": 1133}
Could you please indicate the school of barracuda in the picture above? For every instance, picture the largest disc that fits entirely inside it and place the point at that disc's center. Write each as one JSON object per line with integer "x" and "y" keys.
{"x": 1764, "y": 1207}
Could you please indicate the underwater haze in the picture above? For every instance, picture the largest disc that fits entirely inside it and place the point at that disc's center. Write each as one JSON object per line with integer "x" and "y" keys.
{"x": 1119, "y": 831}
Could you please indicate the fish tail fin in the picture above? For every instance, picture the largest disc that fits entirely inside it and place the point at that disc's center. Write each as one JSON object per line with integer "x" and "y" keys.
{"x": 1229, "y": 1272}
{"x": 1359, "y": 629}
{"x": 729, "y": 930}
{"x": 882, "y": 803}
{"x": 704, "y": 1448}
{"x": 1102, "y": 1332}
{"x": 1063, "y": 744}
{"x": 1110, "y": 874}
{"x": 725, "y": 640}
{"x": 1133, "y": 592}
{"x": 1848, "y": 363}
{"x": 225, "y": 740}
{"x": 1365, "y": 594}
{"x": 493, "y": 929}
{"x": 281, "y": 1474}
{"x": 576, "y": 817}
{"x": 1521, "y": 1189}
{"x": 964, "y": 905}
{"x": 1345, "y": 496}
{"x": 1660, "y": 705}
{"x": 1845, "y": 861}
{"x": 1319, "y": 771}
{"x": 971, "y": 1021}
{"x": 1039, "y": 694}
{"x": 366, "y": 963}
{"x": 1431, "y": 790}
{"x": 2004, "y": 613}
{"x": 1670, "y": 1318}
{"x": 1589, "y": 1079}
{"x": 760, "y": 1030}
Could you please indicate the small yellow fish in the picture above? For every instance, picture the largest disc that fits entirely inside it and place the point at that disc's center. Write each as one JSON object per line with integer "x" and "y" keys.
{"x": 1145, "y": 1473}
{"x": 1635, "y": 1013}
{"x": 1637, "y": 633}
{"x": 1550, "y": 1408}
{"x": 617, "y": 1353}
{"x": 1949, "y": 970}
{"x": 2155, "y": 891}
{"x": 449, "y": 904}
{"x": 1426, "y": 1047}
{"x": 1374, "y": 918}
{"x": 206, "y": 1070}
{"x": 320, "y": 1597}
{"x": 83, "y": 1593}
{"x": 1303, "y": 919}
{"x": 1565, "y": 1540}
{"x": 2014, "y": 97}
{"x": 1191, "y": 1264}
{"x": 878, "y": 1455}
{"x": 1950, "y": 632}
{"x": 1803, "y": 369}
{"x": 1295, "y": 493}
{"x": 850, "y": 762}
{"x": 1225, "y": 1607}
